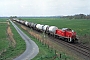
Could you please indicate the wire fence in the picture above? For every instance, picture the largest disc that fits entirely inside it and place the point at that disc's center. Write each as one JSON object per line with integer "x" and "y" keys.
{"x": 55, "y": 56}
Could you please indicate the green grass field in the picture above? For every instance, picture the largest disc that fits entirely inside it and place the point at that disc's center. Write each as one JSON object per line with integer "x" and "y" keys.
{"x": 7, "y": 52}
{"x": 3, "y": 37}
{"x": 3, "y": 19}
{"x": 80, "y": 26}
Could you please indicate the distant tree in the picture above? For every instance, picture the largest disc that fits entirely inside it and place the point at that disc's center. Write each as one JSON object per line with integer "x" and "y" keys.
{"x": 15, "y": 16}
{"x": 82, "y": 16}
{"x": 88, "y": 17}
{"x": 77, "y": 16}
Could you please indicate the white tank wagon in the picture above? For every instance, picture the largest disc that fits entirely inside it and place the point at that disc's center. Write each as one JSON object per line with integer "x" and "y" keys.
{"x": 14, "y": 19}
{"x": 17, "y": 20}
{"x": 39, "y": 27}
{"x": 29, "y": 24}
{"x": 45, "y": 27}
{"x": 22, "y": 22}
{"x": 34, "y": 26}
{"x": 26, "y": 23}
{"x": 52, "y": 29}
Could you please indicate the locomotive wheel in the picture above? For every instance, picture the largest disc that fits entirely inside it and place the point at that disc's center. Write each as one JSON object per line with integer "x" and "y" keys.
{"x": 66, "y": 39}
{"x": 69, "y": 40}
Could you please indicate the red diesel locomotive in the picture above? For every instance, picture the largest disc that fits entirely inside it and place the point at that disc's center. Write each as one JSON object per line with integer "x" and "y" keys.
{"x": 66, "y": 34}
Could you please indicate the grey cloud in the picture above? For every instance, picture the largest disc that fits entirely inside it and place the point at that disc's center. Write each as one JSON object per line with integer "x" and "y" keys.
{"x": 43, "y": 7}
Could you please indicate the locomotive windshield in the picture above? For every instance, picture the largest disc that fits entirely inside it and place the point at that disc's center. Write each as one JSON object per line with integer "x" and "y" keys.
{"x": 67, "y": 29}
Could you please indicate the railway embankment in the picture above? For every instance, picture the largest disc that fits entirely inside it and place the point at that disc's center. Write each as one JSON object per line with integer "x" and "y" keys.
{"x": 46, "y": 39}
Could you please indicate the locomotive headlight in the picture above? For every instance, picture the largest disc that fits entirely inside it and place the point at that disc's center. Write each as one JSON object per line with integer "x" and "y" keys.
{"x": 72, "y": 30}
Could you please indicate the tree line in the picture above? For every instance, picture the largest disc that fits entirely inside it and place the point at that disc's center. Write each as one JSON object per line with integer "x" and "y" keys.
{"x": 77, "y": 16}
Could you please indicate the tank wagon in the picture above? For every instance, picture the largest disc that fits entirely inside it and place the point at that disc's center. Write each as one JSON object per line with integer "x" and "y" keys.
{"x": 39, "y": 27}
{"x": 65, "y": 34}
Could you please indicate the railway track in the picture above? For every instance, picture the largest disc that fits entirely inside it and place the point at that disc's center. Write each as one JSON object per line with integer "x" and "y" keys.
{"x": 81, "y": 49}
{"x": 77, "y": 47}
{"x": 82, "y": 46}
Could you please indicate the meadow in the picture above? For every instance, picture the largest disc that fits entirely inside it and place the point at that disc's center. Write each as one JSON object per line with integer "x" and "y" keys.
{"x": 7, "y": 52}
{"x": 80, "y": 26}
{"x": 3, "y": 37}
{"x": 3, "y": 19}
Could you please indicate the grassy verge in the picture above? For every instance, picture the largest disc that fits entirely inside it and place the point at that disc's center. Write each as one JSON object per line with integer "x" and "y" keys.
{"x": 46, "y": 53}
{"x": 12, "y": 52}
{"x": 3, "y": 37}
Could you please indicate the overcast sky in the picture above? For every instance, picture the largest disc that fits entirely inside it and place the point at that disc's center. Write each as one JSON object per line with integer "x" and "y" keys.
{"x": 43, "y": 7}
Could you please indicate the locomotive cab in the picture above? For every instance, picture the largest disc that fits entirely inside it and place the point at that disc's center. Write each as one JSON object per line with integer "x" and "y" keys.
{"x": 70, "y": 35}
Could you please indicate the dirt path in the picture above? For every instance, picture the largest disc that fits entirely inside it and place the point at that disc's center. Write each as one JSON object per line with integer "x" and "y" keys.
{"x": 10, "y": 36}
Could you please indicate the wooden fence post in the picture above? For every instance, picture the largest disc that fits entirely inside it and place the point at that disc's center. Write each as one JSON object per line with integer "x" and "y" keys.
{"x": 60, "y": 55}
{"x": 65, "y": 58}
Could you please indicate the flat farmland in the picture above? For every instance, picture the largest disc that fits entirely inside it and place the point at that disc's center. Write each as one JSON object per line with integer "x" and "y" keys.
{"x": 11, "y": 43}
{"x": 3, "y": 37}
{"x": 3, "y": 19}
{"x": 80, "y": 26}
